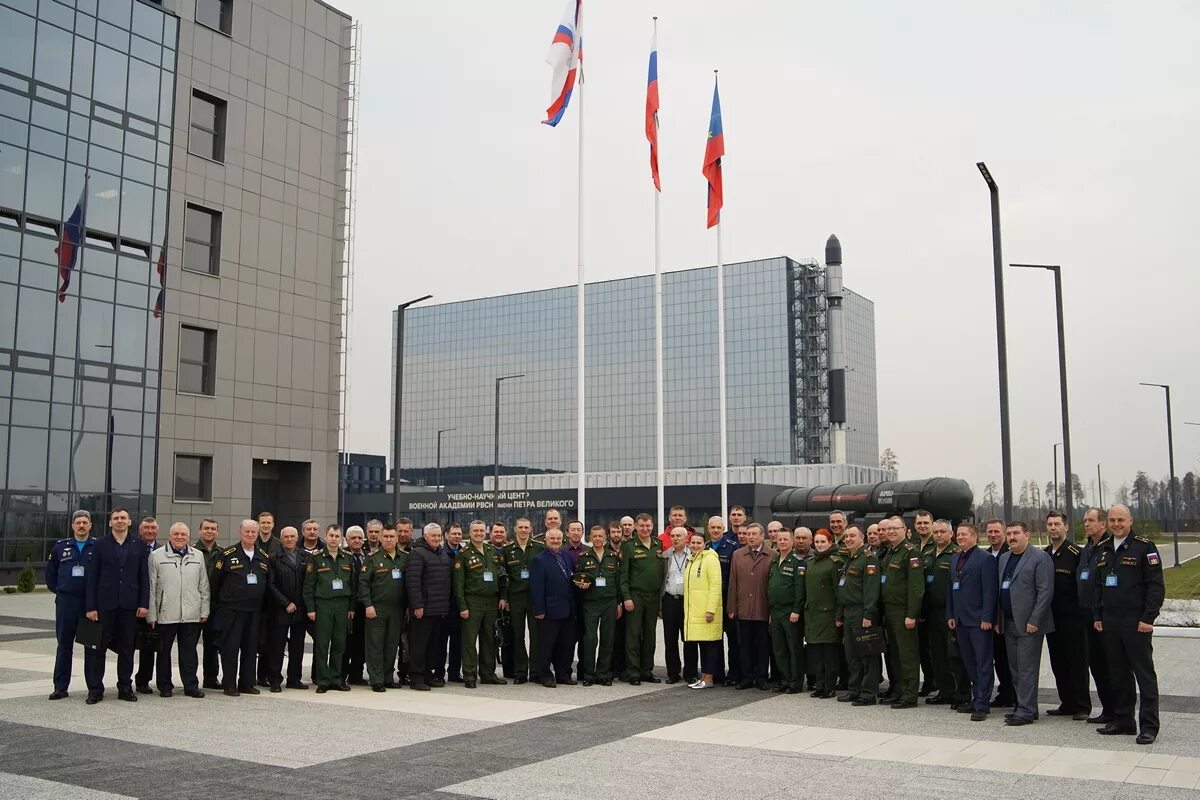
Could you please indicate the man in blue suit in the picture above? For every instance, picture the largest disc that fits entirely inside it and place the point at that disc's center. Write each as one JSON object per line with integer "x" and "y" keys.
{"x": 66, "y": 577}
{"x": 970, "y": 613}
{"x": 551, "y": 595}
{"x": 118, "y": 595}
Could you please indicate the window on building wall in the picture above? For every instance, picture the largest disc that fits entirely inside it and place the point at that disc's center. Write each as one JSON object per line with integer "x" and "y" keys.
{"x": 193, "y": 478}
{"x": 215, "y": 14}
{"x": 208, "y": 126}
{"x": 197, "y": 360}
{"x": 202, "y": 239}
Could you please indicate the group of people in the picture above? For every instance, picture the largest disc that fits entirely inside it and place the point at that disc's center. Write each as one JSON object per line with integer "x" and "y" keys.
{"x": 946, "y": 615}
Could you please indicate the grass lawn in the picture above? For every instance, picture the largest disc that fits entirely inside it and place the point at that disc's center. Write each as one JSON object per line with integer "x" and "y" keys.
{"x": 1183, "y": 582}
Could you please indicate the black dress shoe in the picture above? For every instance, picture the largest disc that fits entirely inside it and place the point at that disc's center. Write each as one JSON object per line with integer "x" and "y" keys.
{"x": 964, "y": 708}
{"x": 276, "y": 688}
{"x": 794, "y": 689}
{"x": 193, "y": 693}
{"x": 899, "y": 704}
{"x": 322, "y": 689}
{"x": 519, "y": 679}
{"x": 356, "y": 682}
{"x": 470, "y": 684}
{"x": 651, "y": 679}
{"x": 605, "y": 682}
{"x": 762, "y": 686}
{"x": 128, "y": 697}
{"x": 925, "y": 691}
{"x": 936, "y": 700}
{"x": 887, "y": 699}
{"x": 1146, "y": 738}
{"x": 437, "y": 683}
{"x": 391, "y": 685}
{"x": 297, "y": 685}
{"x": 455, "y": 679}
{"x": 588, "y": 682}
{"x": 418, "y": 687}
{"x": 549, "y": 684}
{"x": 211, "y": 685}
{"x": 1112, "y": 729}
{"x": 1003, "y": 702}
{"x": 845, "y": 697}
{"x": 978, "y": 716}
{"x": 568, "y": 682}
{"x": 1057, "y": 712}
{"x": 1080, "y": 716}
{"x": 780, "y": 689}
{"x": 745, "y": 685}
{"x": 672, "y": 679}
{"x": 341, "y": 687}
{"x": 862, "y": 701}
{"x": 263, "y": 682}
{"x": 492, "y": 680}
{"x": 250, "y": 690}
{"x": 1100, "y": 719}
{"x": 378, "y": 688}
{"x": 232, "y": 693}
{"x": 92, "y": 699}
{"x": 730, "y": 682}
{"x": 815, "y": 693}
{"x": 145, "y": 689}
{"x": 59, "y": 694}
{"x": 1018, "y": 721}
{"x": 635, "y": 682}
{"x": 166, "y": 693}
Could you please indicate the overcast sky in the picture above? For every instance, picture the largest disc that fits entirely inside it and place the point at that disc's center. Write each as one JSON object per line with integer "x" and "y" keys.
{"x": 860, "y": 119}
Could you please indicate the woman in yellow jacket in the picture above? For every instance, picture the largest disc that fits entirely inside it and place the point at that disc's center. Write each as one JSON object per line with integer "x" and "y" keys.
{"x": 702, "y": 620}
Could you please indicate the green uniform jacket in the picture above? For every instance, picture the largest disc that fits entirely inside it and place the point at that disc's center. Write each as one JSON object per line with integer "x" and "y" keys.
{"x": 320, "y": 573}
{"x": 785, "y": 584}
{"x": 517, "y": 561}
{"x": 821, "y": 604}
{"x": 902, "y": 582}
{"x": 641, "y": 567}
{"x": 858, "y": 592}
{"x": 607, "y": 566}
{"x": 471, "y": 571}
{"x": 937, "y": 582}
{"x": 378, "y": 584}
{"x": 209, "y": 557}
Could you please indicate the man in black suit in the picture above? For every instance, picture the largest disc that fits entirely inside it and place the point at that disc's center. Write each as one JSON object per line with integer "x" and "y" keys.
{"x": 118, "y": 595}
{"x": 1005, "y": 696}
{"x": 285, "y": 599}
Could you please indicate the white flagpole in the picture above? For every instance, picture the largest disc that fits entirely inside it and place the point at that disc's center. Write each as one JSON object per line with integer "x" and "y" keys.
{"x": 659, "y": 448}
{"x": 579, "y": 328}
{"x": 721, "y": 375}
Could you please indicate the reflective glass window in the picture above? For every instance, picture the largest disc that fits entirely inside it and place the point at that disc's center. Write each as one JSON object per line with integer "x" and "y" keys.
{"x": 207, "y": 126}
{"x": 215, "y": 14}
{"x": 16, "y": 41}
{"x": 202, "y": 239}
{"x": 193, "y": 478}
{"x": 197, "y": 360}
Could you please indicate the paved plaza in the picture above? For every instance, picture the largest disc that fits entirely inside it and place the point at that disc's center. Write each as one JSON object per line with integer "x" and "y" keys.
{"x": 525, "y": 742}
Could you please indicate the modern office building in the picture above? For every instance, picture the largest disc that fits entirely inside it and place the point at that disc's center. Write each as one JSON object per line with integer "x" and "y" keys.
{"x": 205, "y": 383}
{"x": 777, "y": 369}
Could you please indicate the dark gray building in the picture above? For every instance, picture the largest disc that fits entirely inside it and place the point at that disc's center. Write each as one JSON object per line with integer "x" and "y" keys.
{"x": 775, "y": 324}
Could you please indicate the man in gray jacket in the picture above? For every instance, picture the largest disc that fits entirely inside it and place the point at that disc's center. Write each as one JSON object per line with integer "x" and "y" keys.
{"x": 179, "y": 606}
{"x": 1026, "y": 576}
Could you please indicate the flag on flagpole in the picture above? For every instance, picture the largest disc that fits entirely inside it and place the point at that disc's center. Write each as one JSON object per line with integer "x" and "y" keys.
{"x": 652, "y": 109}
{"x": 713, "y": 151}
{"x": 69, "y": 242}
{"x": 566, "y": 51}
{"x": 162, "y": 281}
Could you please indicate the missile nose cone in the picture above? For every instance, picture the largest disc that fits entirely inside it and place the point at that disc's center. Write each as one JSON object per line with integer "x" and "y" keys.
{"x": 833, "y": 251}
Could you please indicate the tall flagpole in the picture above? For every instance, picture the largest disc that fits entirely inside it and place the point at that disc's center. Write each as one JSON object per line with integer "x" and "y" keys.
{"x": 721, "y": 370}
{"x": 579, "y": 327}
{"x": 659, "y": 448}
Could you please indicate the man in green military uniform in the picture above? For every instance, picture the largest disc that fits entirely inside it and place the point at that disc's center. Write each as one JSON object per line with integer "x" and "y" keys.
{"x": 330, "y": 583}
{"x": 597, "y": 572}
{"x": 950, "y": 687}
{"x": 922, "y": 539}
{"x": 902, "y": 589}
{"x": 477, "y": 572}
{"x": 786, "y": 596}
{"x": 858, "y": 612}
{"x": 381, "y": 589}
{"x": 517, "y": 555}
{"x": 641, "y": 585}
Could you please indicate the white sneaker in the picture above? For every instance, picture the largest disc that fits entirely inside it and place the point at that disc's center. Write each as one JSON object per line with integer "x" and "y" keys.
{"x": 700, "y": 685}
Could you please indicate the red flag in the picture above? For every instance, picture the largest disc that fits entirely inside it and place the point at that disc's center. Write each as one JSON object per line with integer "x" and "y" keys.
{"x": 162, "y": 281}
{"x": 652, "y": 110}
{"x": 713, "y": 151}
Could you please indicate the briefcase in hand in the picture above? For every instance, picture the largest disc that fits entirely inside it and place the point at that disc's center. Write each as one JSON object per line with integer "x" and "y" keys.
{"x": 870, "y": 642}
{"x": 87, "y": 633}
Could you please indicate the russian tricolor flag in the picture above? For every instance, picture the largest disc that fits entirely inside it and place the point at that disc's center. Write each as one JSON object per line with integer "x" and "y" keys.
{"x": 652, "y": 110}
{"x": 162, "y": 282}
{"x": 713, "y": 151}
{"x": 69, "y": 242}
{"x": 565, "y": 53}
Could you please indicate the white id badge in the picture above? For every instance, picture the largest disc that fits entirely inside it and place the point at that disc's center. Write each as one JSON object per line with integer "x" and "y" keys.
{"x": 842, "y": 582}
{"x": 251, "y": 579}
{"x": 929, "y": 579}
{"x": 883, "y": 579}
{"x": 524, "y": 574}
{"x": 1083, "y": 576}
{"x": 1005, "y": 584}
{"x": 487, "y": 576}
{"x": 1110, "y": 580}
{"x": 397, "y": 574}
{"x": 77, "y": 571}
{"x": 337, "y": 584}
{"x": 601, "y": 582}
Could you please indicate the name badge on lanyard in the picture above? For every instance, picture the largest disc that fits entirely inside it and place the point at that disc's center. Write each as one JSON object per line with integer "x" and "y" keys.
{"x": 1005, "y": 585}
{"x": 955, "y": 586}
{"x": 1110, "y": 580}
{"x": 1083, "y": 575}
{"x": 487, "y": 576}
{"x": 337, "y": 584}
{"x": 77, "y": 571}
{"x": 524, "y": 574}
{"x": 397, "y": 574}
{"x": 251, "y": 578}
{"x": 601, "y": 582}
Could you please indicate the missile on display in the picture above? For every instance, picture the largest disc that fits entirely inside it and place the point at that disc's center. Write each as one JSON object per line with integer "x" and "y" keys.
{"x": 836, "y": 337}
{"x": 870, "y": 502}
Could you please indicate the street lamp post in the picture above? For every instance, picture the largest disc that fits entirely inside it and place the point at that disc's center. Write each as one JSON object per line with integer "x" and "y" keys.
{"x": 1062, "y": 384}
{"x": 439, "y": 455}
{"x": 1054, "y": 483}
{"x": 1100, "y": 486}
{"x": 1171, "y": 463}
{"x": 396, "y": 420}
{"x": 1001, "y": 339}
{"x": 496, "y": 439}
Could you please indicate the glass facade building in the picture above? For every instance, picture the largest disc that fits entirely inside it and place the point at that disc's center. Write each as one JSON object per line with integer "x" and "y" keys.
{"x": 86, "y": 100}
{"x": 454, "y": 352}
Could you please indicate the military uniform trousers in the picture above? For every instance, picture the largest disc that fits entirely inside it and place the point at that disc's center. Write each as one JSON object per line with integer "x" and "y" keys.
{"x": 521, "y": 613}
{"x": 1098, "y": 662}
{"x": 332, "y": 624}
{"x": 641, "y": 634}
{"x": 266, "y": 635}
{"x": 787, "y": 643}
{"x": 1069, "y": 662}
{"x": 825, "y": 662}
{"x": 211, "y": 661}
{"x": 479, "y": 638}
{"x": 863, "y": 680}
{"x": 1131, "y": 658}
{"x": 290, "y": 638}
{"x": 599, "y": 627}
{"x": 903, "y": 648}
{"x": 67, "y": 612}
{"x": 238, "y": 645}
{"x": 937, "y": 636}
{"x": 354, "y": 656}
{"x": 929, "y": 676}
{"x": 382, "y": 636}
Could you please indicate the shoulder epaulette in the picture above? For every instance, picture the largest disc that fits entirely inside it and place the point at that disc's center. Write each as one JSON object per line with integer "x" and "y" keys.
{"x": 228, "y": 551}
{"x": 1143, "y": 539}
{"x": 1073, "y": 549}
